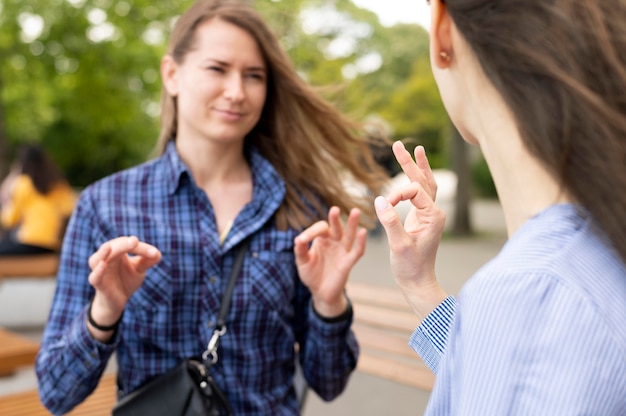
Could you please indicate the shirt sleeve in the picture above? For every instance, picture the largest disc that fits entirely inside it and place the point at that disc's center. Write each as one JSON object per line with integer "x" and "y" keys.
{"x": 70, "y": 361}
{"x": 328, "y": 350}
{"x": 430, "y": 338}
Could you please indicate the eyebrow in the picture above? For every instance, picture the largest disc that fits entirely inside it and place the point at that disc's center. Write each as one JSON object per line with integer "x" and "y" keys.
{"x": 249, "y": 68}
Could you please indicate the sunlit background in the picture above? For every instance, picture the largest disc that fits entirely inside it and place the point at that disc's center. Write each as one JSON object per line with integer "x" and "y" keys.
{"x": 398, "y": 11}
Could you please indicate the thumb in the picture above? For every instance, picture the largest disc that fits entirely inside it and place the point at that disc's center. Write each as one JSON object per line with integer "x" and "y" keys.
{"x": 388, "y": 217}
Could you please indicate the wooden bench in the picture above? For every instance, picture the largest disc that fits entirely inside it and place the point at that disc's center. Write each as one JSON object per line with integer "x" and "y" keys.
{"x": 41, "y": 265}
{"x": 99, "y": 403}
{"x": 383, "y": 324}
{"x": 15, "y": 351}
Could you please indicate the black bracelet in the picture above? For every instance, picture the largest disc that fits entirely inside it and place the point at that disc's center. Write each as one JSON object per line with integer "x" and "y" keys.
{"x": 93, "y": 323}
{"x": 345, "y": 315}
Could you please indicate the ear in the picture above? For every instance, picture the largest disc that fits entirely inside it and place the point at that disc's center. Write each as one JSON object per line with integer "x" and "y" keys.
{"x": 169, "y": 74}
{"x": 441, "y": 48}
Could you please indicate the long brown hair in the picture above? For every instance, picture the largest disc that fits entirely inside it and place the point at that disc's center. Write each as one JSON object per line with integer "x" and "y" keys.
{"x": 310, "y": 144}
{"x": 561, "y": 68}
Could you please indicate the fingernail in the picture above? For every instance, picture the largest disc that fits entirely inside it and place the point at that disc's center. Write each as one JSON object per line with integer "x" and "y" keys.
{"x": 381, "y": 203}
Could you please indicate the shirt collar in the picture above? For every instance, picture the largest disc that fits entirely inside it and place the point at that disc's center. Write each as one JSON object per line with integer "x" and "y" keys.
{"x": 267, "y": 182}
{"x": 175, "y": 168}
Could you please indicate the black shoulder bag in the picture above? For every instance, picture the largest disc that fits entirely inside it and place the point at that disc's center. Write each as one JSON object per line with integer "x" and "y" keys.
{"x": 187, "y": 389}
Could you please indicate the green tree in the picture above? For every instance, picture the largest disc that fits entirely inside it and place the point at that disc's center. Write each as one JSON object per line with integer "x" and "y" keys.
{"x": 82, "y": 78}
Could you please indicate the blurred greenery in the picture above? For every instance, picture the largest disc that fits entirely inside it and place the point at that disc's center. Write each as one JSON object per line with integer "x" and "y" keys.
{"x": 82, "y": 76}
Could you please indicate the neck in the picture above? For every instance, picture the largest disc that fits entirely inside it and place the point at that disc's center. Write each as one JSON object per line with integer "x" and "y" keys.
{"x": 213, "y": 164}
{"x": 524, "y": 186}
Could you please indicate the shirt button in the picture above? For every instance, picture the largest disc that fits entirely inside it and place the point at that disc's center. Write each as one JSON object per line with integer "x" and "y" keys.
{"x": 212, "y": 280}
{"x": 255, "y": 255}
{"x": 210, "y": 324}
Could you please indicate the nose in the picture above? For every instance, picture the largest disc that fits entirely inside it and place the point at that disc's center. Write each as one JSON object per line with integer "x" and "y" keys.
{"x": 234, "y": 87}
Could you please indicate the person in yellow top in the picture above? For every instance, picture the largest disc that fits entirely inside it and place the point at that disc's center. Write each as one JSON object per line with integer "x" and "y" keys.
{"x": 36, "y": 202}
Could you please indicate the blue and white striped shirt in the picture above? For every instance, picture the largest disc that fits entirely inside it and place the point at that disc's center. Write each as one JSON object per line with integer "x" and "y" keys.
{"x": 172, "y": 316}
{"x": 539, "y": 330}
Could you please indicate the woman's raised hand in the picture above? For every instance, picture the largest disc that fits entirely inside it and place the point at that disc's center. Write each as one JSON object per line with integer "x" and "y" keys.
{"x": 413, "y": 245}
{"x": 325, "y": 254}
{"x": 118, "y": 269}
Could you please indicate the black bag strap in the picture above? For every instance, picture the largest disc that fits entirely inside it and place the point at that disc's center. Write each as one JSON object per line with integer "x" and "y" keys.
{"x": 230, "y": 288}
{"x": 220, "y": 328}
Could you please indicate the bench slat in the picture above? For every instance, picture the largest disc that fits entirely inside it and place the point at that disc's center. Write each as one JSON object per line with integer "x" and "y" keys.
{"x": 41, "y": 265}
{"x": 400, "y": 372}
{"x": 99, "y": 403}
{"x": 16, "y": 351}
{"x": 383, "y": 324}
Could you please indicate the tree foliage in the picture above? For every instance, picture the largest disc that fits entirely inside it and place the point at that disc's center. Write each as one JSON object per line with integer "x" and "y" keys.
{"x": 82, "y": 76}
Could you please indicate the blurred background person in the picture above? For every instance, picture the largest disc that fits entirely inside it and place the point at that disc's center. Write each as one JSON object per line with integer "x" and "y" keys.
{"x": 37, "y": 202}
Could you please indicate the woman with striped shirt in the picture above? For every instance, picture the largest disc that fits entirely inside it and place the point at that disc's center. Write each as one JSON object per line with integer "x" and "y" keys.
{"x": 541, "y": 329}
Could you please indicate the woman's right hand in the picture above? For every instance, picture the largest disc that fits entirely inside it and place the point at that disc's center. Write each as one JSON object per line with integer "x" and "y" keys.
{"x": 413, "y": 245}
{"x": 118, "y": 269}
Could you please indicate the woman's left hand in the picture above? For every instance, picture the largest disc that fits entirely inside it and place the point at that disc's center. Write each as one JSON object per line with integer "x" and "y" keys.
{"x": 324, "y": 265}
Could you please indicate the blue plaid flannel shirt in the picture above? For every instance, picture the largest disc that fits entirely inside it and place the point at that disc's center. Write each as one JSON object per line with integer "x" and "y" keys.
{"x": 172, "y": 316}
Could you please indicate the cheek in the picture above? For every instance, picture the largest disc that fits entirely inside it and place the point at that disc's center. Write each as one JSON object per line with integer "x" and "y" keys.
{"x": 197, "y": 93}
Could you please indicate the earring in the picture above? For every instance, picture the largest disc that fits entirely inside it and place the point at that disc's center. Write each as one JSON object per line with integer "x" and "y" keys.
{"x": 444, "y": 55}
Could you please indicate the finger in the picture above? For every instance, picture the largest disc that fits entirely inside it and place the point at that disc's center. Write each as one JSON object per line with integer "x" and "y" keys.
{"x": 389, "y": 219}
{"x": 407, "y": 192}
{"x": 359, "y": 247}
{"x": 147, "y": 258}
{"x": 145, "y": 250}
{"x": 419, "y": 197}
{"x": 320, "y": 228}
{"x": 143, "y": 263}
{"x": 119, "y": 246}
{"x": 301, "y": 250}
{"x": 424, "y": 166}
{"x": 101, "y": 254}
{"x": 352, "y": 227}
{"x": 417, "y": 171}
{"x": 97, "y": 273}
{"x": 334, "y": 220}
{"x": 304, "y": 239}
{"x": 406, "y": 162}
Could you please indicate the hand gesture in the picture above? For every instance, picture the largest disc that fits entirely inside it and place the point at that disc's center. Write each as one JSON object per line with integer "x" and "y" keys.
{"x": 118, "y": 269}
{"x": 413, "y": 246}
{"x": 324, "y": 265}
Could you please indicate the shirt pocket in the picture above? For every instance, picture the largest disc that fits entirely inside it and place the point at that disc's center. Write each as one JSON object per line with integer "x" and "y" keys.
{"x": 151, "y": 306}
{"x": 273, "y": 276}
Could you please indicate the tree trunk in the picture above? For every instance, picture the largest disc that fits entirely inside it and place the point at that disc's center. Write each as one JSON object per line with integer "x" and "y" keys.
{"x": 460, "y": 164}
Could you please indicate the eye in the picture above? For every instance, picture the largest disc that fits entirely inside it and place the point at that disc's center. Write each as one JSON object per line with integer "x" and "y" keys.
{"x": 258, "y": 76}
{"x": 215, "y": 68}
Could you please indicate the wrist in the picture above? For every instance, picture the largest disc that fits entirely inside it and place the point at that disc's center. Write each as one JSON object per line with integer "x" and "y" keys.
{"x": 335, "y": 314}
{"x": 423, "y": 300}
{"x": 99, "y": 322}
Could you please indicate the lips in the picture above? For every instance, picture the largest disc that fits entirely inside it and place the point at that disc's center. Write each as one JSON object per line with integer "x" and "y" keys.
{"x": 230, "y": 114}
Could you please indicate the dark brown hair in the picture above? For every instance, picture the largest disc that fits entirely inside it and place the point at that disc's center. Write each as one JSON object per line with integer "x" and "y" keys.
{"x": 561, "y": 67}
{"x": 40, "y": 168}
{"x": 310, "y": 144}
